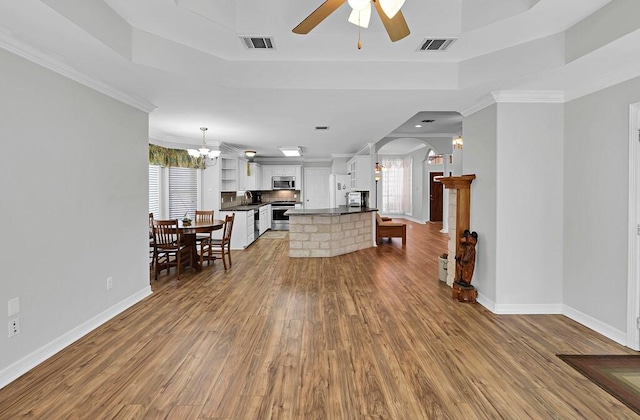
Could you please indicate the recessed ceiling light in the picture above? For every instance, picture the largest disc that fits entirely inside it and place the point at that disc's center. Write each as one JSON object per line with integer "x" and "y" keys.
{"x": 418, "y": 125}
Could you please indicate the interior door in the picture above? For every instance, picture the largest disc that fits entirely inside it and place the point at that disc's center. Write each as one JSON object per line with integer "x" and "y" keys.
{"x": 316, "y": 188}
{"x": 435, "y": 198}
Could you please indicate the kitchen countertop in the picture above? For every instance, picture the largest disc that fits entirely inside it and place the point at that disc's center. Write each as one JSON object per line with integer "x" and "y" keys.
{"x": 336, "y": 211}
{"x": 248, "y": 207}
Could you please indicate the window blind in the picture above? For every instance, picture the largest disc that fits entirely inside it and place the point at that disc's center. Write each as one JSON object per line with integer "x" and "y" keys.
{"x": 183, "y": 192}
{"x": 154, "y": 190}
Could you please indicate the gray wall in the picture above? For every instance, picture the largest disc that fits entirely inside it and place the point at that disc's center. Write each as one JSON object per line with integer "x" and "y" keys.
{"x": 596, "y": 173}
{"x": 480, "y": 158}
{"x": 73, "y": 171}
{"x": 529, "y": 207}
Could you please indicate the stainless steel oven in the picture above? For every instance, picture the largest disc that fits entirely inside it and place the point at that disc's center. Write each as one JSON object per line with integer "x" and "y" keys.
{"x": 279, "y": 221}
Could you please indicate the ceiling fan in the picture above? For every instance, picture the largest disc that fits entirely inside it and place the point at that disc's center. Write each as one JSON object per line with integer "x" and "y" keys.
{"x": 388, "y": 10}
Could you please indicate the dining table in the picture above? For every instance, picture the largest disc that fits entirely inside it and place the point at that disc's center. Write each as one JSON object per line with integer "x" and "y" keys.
{"x": 188, "y": 232}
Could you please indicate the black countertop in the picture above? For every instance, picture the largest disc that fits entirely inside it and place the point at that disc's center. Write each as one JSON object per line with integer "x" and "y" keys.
{"x": 336, "y": 211}
{"x": 247, "y": 207}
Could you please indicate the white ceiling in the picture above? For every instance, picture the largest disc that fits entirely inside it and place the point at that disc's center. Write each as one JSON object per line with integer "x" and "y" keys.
{"x": 185, "y": 57}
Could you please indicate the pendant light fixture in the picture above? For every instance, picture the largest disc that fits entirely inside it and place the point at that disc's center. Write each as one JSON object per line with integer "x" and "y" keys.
{"x": 204, "y": 152}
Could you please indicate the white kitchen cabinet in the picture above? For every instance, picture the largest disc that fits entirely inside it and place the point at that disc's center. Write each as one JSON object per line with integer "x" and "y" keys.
{"x": 228, "y": 174}
{"x": 264, "y": 222}
{"x": 360, "y": 170}
{"x": 269, "y": 215}
{"x": 267, "y": 173}
{"x": 242, "y": 234}
{"x": 253, "y": 177}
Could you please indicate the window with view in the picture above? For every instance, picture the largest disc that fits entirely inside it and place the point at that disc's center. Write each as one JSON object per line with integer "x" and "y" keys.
{"x": 183, "y": 192}
{"x": 396, "y": 186}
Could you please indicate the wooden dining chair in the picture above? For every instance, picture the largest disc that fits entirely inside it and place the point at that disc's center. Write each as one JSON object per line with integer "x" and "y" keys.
{"x": 169, "y": 248}
{"x": 205, "y": 216}
{"x": 210, "y": 248}
{"x": 152, "y": 248}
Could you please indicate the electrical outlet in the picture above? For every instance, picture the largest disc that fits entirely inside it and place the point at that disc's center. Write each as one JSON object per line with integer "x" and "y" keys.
{"x": 109, "y": 282}
{"x": 14, "y": 327}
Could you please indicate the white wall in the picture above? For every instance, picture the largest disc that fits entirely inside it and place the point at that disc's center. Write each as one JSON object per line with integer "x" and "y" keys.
{"x": 73, "y": 171}
{"x": 480, "y": 151}
{"x": 529, "y": 207}
{"x": 596, "y": 203}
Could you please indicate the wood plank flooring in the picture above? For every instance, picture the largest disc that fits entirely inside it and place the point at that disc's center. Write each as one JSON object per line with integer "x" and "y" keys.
{"x": 372, "y": 334}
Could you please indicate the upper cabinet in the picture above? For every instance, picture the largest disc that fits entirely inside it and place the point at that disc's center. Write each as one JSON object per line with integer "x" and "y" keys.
{"x": 253, "y": 176}
{"x": 360, "y": 170}
{"x": 228, "y": 174}
{"x": 269, "y": 171}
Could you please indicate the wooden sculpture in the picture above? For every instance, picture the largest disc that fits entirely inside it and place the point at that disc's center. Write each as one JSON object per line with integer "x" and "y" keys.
{"x": 465, "y": 264}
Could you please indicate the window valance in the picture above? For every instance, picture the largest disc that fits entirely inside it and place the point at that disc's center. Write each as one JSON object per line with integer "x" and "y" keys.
{"x": 163, "y": 156}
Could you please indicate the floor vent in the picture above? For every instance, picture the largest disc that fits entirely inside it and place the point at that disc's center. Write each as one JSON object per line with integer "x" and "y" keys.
{"x": 436, "y": 44}
{"x": 258, "y": 42}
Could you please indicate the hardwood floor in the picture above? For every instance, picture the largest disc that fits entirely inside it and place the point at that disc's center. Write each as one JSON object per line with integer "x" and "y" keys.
{"x": 372, "y": 334}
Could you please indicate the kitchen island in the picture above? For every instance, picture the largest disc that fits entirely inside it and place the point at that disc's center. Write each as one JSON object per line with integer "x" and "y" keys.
{"x": 330, "y": 232}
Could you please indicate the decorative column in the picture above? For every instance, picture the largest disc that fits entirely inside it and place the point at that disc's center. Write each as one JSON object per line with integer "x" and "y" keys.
{"x": 459, "y": 213}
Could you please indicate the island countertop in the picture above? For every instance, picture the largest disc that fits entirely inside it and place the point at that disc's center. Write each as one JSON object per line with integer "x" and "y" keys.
{"x": 335, "y": 211}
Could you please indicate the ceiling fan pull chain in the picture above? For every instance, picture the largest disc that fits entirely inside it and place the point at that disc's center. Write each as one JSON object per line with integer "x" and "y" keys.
{"x": 359, "y": 42}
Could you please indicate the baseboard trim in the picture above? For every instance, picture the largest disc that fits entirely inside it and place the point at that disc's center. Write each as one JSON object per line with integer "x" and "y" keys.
{"x": 22, "y": 366}
{"x": 600, "y": 327}
{"x": 528, "y": 309}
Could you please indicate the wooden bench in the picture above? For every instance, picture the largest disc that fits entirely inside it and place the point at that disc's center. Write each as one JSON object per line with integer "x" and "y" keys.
{"x": 387, "y": 228}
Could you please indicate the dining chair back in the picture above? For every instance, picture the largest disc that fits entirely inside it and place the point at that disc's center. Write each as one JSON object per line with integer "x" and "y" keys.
{"x": 152, "y": 255}
{"x": 210, "y": 248}
{"x": 169, "y": 248}
{"x": 204, "y": 216}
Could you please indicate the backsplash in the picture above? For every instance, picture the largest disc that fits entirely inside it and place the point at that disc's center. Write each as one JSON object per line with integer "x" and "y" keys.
{"x": 267, "y": 197}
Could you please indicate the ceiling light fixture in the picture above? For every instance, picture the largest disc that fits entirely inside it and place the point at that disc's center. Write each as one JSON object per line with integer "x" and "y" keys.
{"x": 250, "y": 153}
{"x": 388, "y": 10}
{"x": 291, "y": 151}
{"x": 457, "y": 142}
{"x": 418, "y": 126}
{"x": 204, "y": 152}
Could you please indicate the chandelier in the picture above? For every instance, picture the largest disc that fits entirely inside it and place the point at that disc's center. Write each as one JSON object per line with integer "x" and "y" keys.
{"x": 204, "y": 152}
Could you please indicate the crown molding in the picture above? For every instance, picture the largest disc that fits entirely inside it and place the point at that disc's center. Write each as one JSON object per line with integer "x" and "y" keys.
{"x": 528, "y": 96}
{"x": 482, "y": 103}
{"x": 20, "y": 48}
{"x": 514, "y": 97}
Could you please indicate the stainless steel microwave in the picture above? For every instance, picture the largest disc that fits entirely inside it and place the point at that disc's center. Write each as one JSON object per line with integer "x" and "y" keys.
{"x": 283, "y": 182}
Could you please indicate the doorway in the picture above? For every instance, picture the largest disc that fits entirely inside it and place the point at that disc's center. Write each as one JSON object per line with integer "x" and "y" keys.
{"x": 316, "y": 188}
{"x": 435, "y": 197}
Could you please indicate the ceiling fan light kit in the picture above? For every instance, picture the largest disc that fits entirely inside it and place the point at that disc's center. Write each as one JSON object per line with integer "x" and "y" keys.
{"x": 362, "y": 17}
{"x": 388, "y": 10}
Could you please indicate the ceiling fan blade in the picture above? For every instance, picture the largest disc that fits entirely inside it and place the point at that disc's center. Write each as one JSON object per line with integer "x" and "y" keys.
{"x": 396, "y": 27}
{"x": 318, "y": 15}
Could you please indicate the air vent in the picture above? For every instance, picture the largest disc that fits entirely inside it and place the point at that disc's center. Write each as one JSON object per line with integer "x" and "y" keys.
{"x": 322, "y": 127}
{"x": 258, "y": 42}
{"x": 440, "y": 44}
{"x": 428, "y": 121}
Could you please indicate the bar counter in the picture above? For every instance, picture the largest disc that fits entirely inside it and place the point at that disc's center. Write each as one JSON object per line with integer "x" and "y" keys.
{"x": 330, "y": 232}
